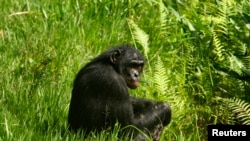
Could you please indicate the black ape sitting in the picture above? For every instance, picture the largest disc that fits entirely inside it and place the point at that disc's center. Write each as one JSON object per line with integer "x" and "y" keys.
{"x": 100, "y": 96}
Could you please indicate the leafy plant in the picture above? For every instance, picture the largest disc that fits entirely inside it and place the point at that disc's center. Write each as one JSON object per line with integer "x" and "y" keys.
{"x": 240, "y": 110}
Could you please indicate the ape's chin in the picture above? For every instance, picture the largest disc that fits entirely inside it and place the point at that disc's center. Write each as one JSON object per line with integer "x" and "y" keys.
{"x": 133, "y": 85}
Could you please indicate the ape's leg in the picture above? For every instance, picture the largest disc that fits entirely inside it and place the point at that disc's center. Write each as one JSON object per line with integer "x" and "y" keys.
{"x": 151, "y": 116}
{"x": 149, "y": 109}
{"x": 141, "y": 105}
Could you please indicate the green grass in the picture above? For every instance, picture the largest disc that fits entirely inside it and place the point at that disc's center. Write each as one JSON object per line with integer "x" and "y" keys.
{"x": 42, "y": 46}
{"x": 44, "y": 43}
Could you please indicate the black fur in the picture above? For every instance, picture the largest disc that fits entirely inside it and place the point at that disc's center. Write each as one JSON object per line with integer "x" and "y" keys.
{"x": 100, "y": 96}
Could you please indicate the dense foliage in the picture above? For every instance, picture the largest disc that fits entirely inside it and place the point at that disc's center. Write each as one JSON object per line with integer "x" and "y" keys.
{"x": 197, "y": 59}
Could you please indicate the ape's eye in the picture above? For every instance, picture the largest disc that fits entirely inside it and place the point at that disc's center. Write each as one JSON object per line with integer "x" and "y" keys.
{"x": 139, "y": 68}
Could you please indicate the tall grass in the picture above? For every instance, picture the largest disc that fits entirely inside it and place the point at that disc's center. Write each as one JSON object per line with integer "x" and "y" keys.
{"x": 42, "y": 46}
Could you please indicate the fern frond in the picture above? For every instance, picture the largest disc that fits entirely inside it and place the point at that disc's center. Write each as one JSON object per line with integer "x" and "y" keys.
{"x": 244, "y": 58}
{"x": 224, "y": 10}
{"x": 160, "y": 77}
{"x": 218, "y": 48}
{"x": 241, "y": 109}
{"x": 219, "y": 14}
{"x": 163, "y": 16}
{"x": 140, "y": 36}
{"x": 246, "y": 62}
{"x": 235, "y": 64}
{"x": 223, "y": 21}
{"x": 190, "y": 58}
{"x": 242, "y": 48}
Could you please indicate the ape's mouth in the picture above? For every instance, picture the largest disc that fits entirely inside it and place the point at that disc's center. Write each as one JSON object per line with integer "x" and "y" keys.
{"x": 133, "y": 84}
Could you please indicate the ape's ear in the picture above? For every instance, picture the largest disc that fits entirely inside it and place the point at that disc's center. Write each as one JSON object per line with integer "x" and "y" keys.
{"x": 114, "y": 58}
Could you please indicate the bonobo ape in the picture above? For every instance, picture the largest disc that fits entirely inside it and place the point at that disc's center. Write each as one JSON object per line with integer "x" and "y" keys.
{"x": 100, "y": 96}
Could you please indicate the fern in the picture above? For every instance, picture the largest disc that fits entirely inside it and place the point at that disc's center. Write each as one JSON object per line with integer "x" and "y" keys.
{"x": 246, "y": 62}
{"x": 225, "y": 9}
{"x": 190, "y": 58}
{"x": 218, "y": 48}
{"x": 160, "y": 77}
{"x": 246, "y": 59}
{"x": 223, "y": 19}
{"x": 235, "y": 64}
{"x": 241, "y": 109}
{"x": 163, "y": 16}
{"x": 139, "y": 36}
{"x": 241, "y": 47}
